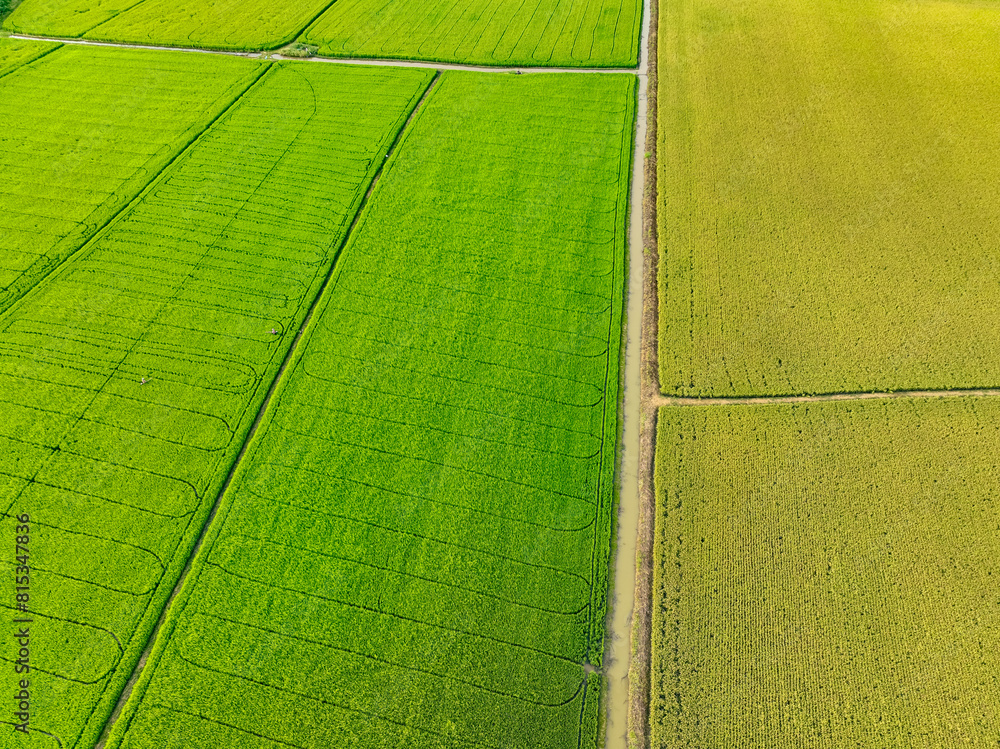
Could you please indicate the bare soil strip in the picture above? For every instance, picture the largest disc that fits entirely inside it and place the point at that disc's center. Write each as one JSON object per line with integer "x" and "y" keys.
{"x": 629, "y": 596}
{"x": 666, "y": 400}
{"x": 332, "y": 60}
{"x": 289, "y": 355}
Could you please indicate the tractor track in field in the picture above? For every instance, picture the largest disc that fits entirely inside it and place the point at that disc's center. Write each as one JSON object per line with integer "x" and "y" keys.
{"x": 762, "y": 400}
{"x": 377, "y": 62}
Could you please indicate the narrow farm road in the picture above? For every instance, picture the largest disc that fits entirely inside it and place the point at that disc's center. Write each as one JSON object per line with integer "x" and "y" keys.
{"x": 621, "y": 608}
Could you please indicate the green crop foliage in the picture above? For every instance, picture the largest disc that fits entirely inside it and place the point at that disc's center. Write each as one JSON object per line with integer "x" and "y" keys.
{"x": 414, "y": 550}
{"x": 65, "y": 18}
{"x": 85, "y": 131}
{"x": 543, "y": 32}
{"x": 825, "y": 575}
{"x": 828, "y": 179}
{"x": 537, "y": 33}
{"x": 227, "y": 24}
{"x": 129, "y": 377}
{"x": 17, "y": 52}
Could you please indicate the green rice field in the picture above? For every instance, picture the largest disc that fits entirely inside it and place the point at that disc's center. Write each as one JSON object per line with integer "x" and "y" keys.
{"x": 130, "y": 376}
{"x": 215, "y": 24}
{"x": 414, "y": 551}
{"x": 16, "y": 52}
{"x": 565, "y": 33}
{"x": 408, "y": 287}
{"x": 85, "y": 131}
{"x": 825, "y": 575}
{"x": 600, "y": 33}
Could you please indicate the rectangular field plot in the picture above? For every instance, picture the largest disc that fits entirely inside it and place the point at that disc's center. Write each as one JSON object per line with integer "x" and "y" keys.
{"x": 574, "y": 33}
{"x": 215, "y": 24}
{"x": 414, "y": 551}
{"x": 130, "y": 376}
{"x": 84, "y": 131}
{"x": 825, "y": 575}
{"x": 829, "y": 182}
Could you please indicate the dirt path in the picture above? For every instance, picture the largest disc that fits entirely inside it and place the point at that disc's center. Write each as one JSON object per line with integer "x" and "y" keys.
{"x": 649, "y": 383}
{"x": 332, "y": 60}
{"x": 618, "y": 646}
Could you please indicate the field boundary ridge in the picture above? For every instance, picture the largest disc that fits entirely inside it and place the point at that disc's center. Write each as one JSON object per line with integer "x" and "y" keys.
{"x": 763, "y": 400}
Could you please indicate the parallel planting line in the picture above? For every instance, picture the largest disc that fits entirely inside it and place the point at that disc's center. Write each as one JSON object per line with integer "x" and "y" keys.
{"x": 20, "y": 65}
{"x": 290, "y": 354}
{"x": 141, "y": 193}
{"x": 336, "y": 61}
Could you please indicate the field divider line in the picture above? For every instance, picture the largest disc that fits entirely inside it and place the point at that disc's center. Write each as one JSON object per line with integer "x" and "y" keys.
{"x": 373, "y": 61}
{"x": 763, "y": 400}
{"x": 627, "y": 607}
{"x": 262, "y": 413}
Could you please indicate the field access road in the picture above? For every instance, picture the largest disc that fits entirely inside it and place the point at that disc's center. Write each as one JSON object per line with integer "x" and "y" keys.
{"x": 618, "y": 648}
{"x": 352, "y": 60}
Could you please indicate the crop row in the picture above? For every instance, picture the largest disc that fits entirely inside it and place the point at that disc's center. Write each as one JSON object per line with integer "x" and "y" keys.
{"x": 86, "y": 131}
{"x": 414, "y": 549}
{"x": 130, "y": 376}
